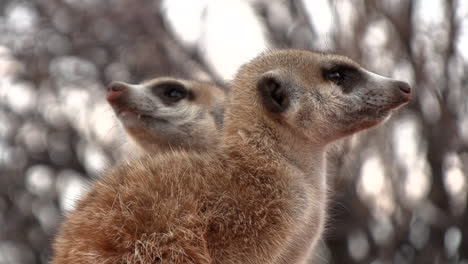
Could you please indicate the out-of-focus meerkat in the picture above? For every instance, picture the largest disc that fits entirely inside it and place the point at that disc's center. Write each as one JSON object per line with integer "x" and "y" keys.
{"x": 261, "y": 196}
{"x": 168, "y": 114}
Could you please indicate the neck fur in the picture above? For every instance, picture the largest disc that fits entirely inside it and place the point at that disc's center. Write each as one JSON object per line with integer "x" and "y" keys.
{"x": 274, "y": 141}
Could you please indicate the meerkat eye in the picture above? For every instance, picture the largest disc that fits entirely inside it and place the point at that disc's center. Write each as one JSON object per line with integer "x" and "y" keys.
{"x": 174, "y": 93}
{"x": 345, "y": 76}
{"x": 170, "y": 92}
{"x": 335, "y": 76}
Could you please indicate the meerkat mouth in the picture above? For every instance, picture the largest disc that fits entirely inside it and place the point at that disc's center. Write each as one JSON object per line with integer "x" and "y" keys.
{"x": 134, "y": 114}
{"x": 384, "y": 108}
{"x": 396, "y": 105}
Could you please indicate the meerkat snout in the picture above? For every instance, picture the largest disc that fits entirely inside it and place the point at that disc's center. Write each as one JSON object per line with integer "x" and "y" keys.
{"x": 168, "y": 113}
{"x": 117, "y": 86}
{"x": 405, "y": 91}
{"x": 115, "y": 93}
{"x": 383, "y": 94}
{"x": 404, "y": 87}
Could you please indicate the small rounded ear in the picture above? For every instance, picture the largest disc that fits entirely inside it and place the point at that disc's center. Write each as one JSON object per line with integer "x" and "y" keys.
{"x": 274, "y": 92}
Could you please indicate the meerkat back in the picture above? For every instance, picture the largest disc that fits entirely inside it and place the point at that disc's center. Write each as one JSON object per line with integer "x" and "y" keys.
{"x": 169, "y": 114}
{"x": 258, "y": 198}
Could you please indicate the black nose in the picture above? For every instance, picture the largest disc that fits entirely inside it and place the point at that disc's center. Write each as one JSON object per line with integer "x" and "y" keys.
{"x": 404, "y": 87}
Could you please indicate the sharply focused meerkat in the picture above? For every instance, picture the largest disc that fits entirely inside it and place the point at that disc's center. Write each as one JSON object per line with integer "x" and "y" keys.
{"x": 258, "y": 198}
{"x": 167, "y": 113}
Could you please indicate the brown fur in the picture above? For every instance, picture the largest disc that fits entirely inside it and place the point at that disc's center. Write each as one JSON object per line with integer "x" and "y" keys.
{"x": 259, "y": 198}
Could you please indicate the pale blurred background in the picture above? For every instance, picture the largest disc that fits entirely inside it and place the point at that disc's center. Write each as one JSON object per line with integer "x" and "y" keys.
{"x": 399, "y": 192}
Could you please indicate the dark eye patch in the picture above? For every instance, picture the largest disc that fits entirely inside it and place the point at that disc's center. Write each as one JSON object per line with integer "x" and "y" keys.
{"x": 344, "y": 75}
{"x": 171, "y": 92}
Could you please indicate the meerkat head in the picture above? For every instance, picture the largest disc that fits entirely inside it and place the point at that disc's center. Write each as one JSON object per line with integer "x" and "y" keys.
{"x": 320, "y": 96}
{"x": 167, "y": 113}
